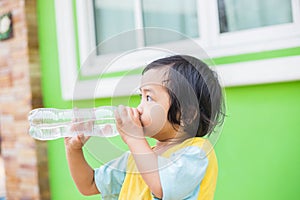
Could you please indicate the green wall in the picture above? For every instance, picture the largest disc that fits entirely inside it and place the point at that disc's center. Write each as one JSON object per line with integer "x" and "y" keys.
{"x": 258, "y": 150}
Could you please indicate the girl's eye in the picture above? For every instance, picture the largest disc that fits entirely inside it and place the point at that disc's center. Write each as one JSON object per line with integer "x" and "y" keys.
{"x": 148, "y": 98}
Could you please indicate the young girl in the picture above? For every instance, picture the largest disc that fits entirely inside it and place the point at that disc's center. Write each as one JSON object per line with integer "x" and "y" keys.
{"x": 181, "y": 102}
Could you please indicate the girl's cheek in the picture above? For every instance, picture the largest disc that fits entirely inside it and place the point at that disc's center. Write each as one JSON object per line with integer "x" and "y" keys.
{"x": 154, "y": 119}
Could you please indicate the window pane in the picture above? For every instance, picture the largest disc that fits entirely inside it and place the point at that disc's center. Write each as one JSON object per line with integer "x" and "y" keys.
{"x": 176, "y": 15}
{"x": 237, "y": 15}
{"x": 113, "y": 17}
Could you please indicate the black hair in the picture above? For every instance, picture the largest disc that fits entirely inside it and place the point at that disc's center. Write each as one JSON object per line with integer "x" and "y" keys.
{"x": 196, "y": 98}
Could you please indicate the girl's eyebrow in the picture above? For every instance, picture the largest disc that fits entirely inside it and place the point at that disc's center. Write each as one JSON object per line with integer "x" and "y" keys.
{"x": 142, "y": 89}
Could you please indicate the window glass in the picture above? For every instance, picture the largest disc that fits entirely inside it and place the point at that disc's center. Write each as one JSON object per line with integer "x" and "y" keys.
{"x": 175, "y": 15}
{"x": 113, "y": 17}
{"x": 237, "y": 15}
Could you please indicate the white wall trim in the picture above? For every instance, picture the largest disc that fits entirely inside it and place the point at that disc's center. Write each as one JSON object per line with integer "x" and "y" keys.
{"x": 65, "y": 31}
{"x": 237, "y": 74}
{"x": 260, "y": 71}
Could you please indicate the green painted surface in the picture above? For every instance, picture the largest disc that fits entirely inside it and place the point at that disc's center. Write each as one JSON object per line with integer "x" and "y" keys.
{"x": 258, "y": 151}
{"x": 257, "y": 56}
{"x": 259, "y": 148}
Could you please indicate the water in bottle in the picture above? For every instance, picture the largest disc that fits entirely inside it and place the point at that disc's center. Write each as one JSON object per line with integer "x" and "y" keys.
{"x": 52, "y": 123}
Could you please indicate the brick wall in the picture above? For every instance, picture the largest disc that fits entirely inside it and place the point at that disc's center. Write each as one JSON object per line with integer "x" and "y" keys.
{"x": 25, "y": 159}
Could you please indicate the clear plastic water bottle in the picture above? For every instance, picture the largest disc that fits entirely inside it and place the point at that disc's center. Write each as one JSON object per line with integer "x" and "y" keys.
{"x": 52, "y": 123}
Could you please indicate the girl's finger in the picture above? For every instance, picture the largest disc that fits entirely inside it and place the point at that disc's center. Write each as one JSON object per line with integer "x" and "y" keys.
{"x": 86, "y": 138}
{"x": 82, "y": 138}
{"x": 122, "y": 111}
{"x": 130, "y": 112}
{"x": 117, "y": 116}
{"x": 135, "y": 113}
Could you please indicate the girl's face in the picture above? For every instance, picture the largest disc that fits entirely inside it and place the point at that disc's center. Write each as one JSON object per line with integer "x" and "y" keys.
{"x": 154, "y": 105}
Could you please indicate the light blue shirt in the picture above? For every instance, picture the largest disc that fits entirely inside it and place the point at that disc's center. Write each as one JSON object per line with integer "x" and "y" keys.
{"x": 180, "y": 175}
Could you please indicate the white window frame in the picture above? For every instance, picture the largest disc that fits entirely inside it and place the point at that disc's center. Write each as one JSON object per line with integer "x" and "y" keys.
{"x": 215, "y": 44}
{"x": 266, "y": 38}
{"x": 87, "y": 40}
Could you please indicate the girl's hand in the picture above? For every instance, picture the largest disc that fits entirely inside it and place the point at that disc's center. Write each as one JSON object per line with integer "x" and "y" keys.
{"x": 128, "y": 124}
{"x": 130, "y": 128}
{"x": 77, "y": 142}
